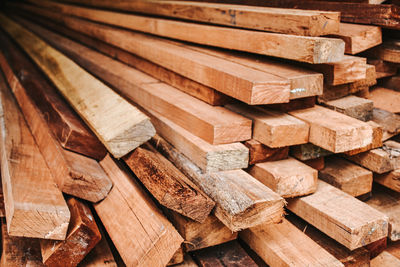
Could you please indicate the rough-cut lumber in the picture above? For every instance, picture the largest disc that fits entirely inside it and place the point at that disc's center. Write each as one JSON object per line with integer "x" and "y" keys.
{"x": 256, "y": 87}
{"x": 377, "y": 137}
{"x": 139, "y": 231}
{"x": 284, "y": 245}
{"x": 70, "y": 131}
{"x": 346, "y": 176}
{"x": 167, "y": 184}
{"x": 74, "y": 174}
{"x": 209, "y": 158}
{"x": 216, "y": 125}
{"x": 229, "y": 254}
{"x": 209, "y": 233}
{"x": 83, "y": 234}
{"x": 259, "y": 152}
{"x": 288, "y": 177}
{"x": 390, "y": 180}
{"x": 334, "y": 131}
{"x": 385, "y": 99}
{"x": 19, "y": 251}
{"x": 342, "y": 217}
{"x": 318, "y": 163}
{"x": 34, "y": 205}
{"x": 308, "y": 151}
{"x": 119, "y": 125}
{"x": 388, "y": 51}
{"x": 380, "y": 160}
{"x": 385, "y": 259}
{"x": 352, "y": 106}
{"x": 389, "y": 122}
{"x": 272, "y": 128}
{"x": 359, "y": 38}
{"x": 383, "y": 68}
{"x": 241, "y": 200}
{"x": 387, "y": 202}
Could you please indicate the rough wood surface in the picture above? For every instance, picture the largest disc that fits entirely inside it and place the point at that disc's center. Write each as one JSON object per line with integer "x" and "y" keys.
{"x": 390, "y": 180}
{"x": 383, "y": 68}
{"x": 140, "y": 239}
{"x": 177, "y": 258}
{"x": 308, "y": 151}
{"x": 167, "y": 184}
{"x": 389, "y": 122}
{"x": 209, "y": 158}
{"x": 385, "y": 99}
{"x": 334, "y": 131}
{"x": 74, "y": 174}
{"x": 82, "y": 236}
{"x": 385, "y": 259}
{"x": 377, "y": 136}
{"x": 352, "y": 106}
{"x": 70, "y": 131}
{"x": 241, "y": 201}
{"x": 209, "y": 233}
{"x": 34, "y": 206}
{"x": 98, "y": 105}
{"x": 342, "y": 217}
{"x": 388, "y": 51}
{"x": 289, "y": 177}
{"x": 259, "y": 152}
{"x": 348, "y": 177}
{"x": 284, "y": 245}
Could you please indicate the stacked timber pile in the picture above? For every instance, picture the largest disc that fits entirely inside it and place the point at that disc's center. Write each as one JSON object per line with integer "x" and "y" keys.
{"x": 154, "y": 133}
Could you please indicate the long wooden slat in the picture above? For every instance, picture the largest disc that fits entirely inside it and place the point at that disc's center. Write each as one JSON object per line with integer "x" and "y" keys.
{"x": 241, "y": 201}
{"x": 256, "y": 87}
{"x": 139, "y": 231}
{"x": 74, "y": 174}
{"x": 34, "y": 205}
{"x": 98, "y": 105}
{"x": 342, "y": 217}
{"x": 284, "y": 245}
{"x": 70, "y": 131}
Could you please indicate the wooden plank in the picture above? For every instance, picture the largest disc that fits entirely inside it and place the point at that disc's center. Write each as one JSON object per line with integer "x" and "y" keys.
{"x": 377, "y": 136}
{"x": 70, "y": 131}
{"x": 2, "y": 208}
{"x": 358, "y": 37}
{"x": 389, "y": 180}
{"x": 299, "y": 103}
{"x": 385, "y": 259}
{"x": 388, "y": 51}
{"x": 74, "y": 174}
{"x": 197, "y": 235}
{"x": 383, "y": 68}
{"x": 288, "y": 177}
{"x": 273, "y": 128}
{"x": 14, "y": 250}
{"x": 342, "y": 217}
{"x": 334, "y": 131}
{"x": 177, "y": 258}
{"x": 346, "y": 176}
{"x": 241, "y": 201}
{"x": 284, "y": 245}
{"x": 352, "y": 106}
{"x": 167, "y": 184}
{"x": 139, "y": 238}
{"x": 34, "y": 205}
{"x": 386, "y": 99}
{"x": 259, "y": 152}
{"x": 308, "y": 151}
{"x": 215, "y": 125}
{"x": 227, "y": 77}
{"x": 304, "y": 22}
{"x": 380, "y": 160}
{"x": 229, "y": 254}
{"x": 119, "y": 136}
{"x": 389, "y": 122}
{"x": 209, "y": 158}
{"x": 82, "y": 237}
{"x": 318, "y": 163}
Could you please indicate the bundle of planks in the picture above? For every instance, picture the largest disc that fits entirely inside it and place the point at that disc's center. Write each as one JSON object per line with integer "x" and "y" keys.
{"x": 154, "y": 133}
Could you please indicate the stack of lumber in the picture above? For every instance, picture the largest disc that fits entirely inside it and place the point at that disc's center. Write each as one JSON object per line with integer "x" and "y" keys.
{"x": 155, "y": 133}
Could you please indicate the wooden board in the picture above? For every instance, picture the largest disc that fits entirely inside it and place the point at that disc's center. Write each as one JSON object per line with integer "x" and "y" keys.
{"x": 73, "y": 173}
{"x": 284, "y": 245}
{"x": 167, "y": 184}
{"x": 98, "y": 105}
{"x": 272, "y": 128}
{"x": 334, "y": 131}
{"x": 34, "y": 206}
{"x": 358, "y": 37}
{"x": 386, "y": 99}
{"x": 289, "y": 177}
{"x": 348, "y": 177}
{"x": 389, "y": 122}
{"x": 259, "y": 152}
{"x": 389, "y": 180}
{"x": 352, "y": 106}
{"x": 82, "y": 237}
{"x": 139, "y": 238}
{"x": 197, "y": 235}
{"x": 377, "y": 136}
{"x": 385, "y": 259}
{"x": 308, "y": 151}
{"x": 70, "y": 131}
{"x": 241, "y": 201}
{"x": 383, "y": 68}
{"x": 388, "y": 51}
{"x": 392, "y": 83}
{"x": 318, "y": 163}
{"x": 342, "y": 217}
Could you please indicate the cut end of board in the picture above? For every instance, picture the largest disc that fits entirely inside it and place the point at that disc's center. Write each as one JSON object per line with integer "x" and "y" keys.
{"x": 328, "y": 50}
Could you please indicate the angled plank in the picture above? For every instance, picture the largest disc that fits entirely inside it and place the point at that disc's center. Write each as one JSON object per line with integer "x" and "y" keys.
{"x": 259, "y": 152}
{"x": 98, "y": 105}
